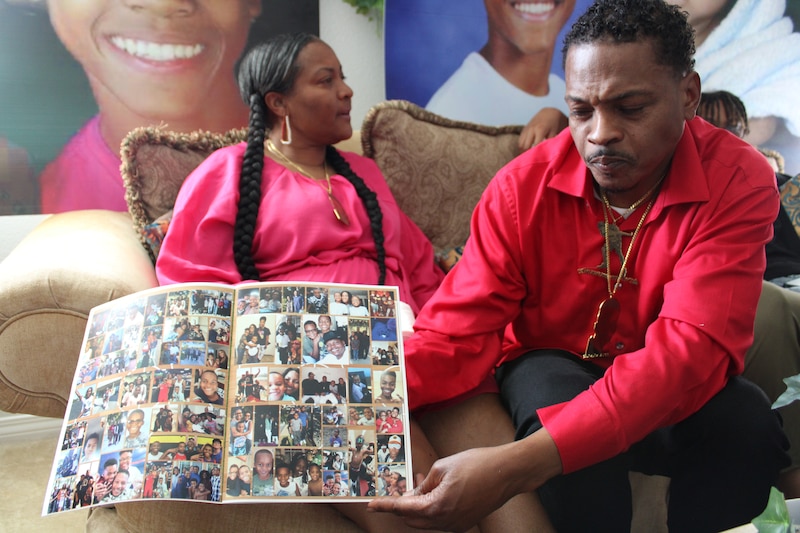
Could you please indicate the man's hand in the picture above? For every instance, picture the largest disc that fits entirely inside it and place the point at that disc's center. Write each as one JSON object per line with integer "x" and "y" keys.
{"x": 458, "y": 491}
{"x": 547, "y": 123}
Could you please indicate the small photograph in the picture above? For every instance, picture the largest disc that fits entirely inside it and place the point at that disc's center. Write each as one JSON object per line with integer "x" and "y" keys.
{"x": 241, "y": 431}
{"x": 113, "y": 341}
{"x": 88, "y": 371}
{"x": 270, "y": 300}
{"x": 362, "y": 463}
{"x": 334, "y": 415}
{"x": 359, "y": 340}
{"x": 320, "y": 385}
{"x": 391, "y": 449}
{"x": 385, "y": 353}
{"x": 167, "y": 448}
{"x": 155, "y": 309}
{"x": 67, "y": 462}
{"x": 299, "y": 425}
{"x": 206, "y": 419}
{"x": 73, "y": 435}
{"x": 384, "y": 329}
{"x": 249, "y": 388}
{"x": 93, "y": 348}
{"x": 254, "y": 342}
{"x": 209, "y": 386}
{"x": 390, "y": 420}
{"x": 334, "y": 437}
{"x": 97, "y": 323}
{"x": 170, "y": 353}
{"x": 150, "y": 346}
{"x": 219, "y": 331}
{"x": 218, "y": 356}
{"x": 391, "y": 480}
{"x": 388, "y": 383}
{"x": 114, "y": 426}
{"x": 294, "y": 299}
{"x": 164, "y": 418}
{"x": 206, "y": 302}
{"x": 335, "y": 483}
{"x": 135, "y": 389}
{"x": 92, "y": 442}
{"x": 178, "y": 303}
{"x": 263, "y": 483}
{"x": 317, "y": 300}
{"x": 193, "y": 353}
{"x": 265, "y": 431}
{"x": 239, "y": 478}
{"x": 83, "y": 402}
{"x": 364, "y": 416}
{"x": 157, "y": 480}
{"x": 360, "y": 384}
{"x": 286, "y": 333}
{"x": 137, "y": 428}
{"x": 381, "y": 303}
{"x": 299, "y": 461}
{"x": 61, "y": 497}
{"x": 134, "y": 314}
{"x": 198, "y": 328}
{"x": 165, "y": 382}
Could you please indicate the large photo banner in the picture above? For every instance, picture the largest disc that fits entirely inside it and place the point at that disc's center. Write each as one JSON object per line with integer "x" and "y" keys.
{"x": 498, "y": 62}
{"x": 77, "y": 75}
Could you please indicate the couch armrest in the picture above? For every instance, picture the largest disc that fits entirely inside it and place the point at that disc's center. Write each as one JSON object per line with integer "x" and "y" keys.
{"x": 68, "y": 264}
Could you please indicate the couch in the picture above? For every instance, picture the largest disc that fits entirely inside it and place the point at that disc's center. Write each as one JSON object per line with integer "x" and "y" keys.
{"x": 436, "y": 168}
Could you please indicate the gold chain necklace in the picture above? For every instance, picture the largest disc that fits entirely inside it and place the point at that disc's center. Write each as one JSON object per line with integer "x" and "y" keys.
{"x": 338, "y": 209}
{"x": 635, "y": 205}
{"x": 608, "y": 311}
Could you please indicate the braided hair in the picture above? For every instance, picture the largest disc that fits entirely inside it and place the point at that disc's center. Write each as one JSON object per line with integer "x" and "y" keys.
{"x": 272, "y": 67}
{"x": 724, "y": 110}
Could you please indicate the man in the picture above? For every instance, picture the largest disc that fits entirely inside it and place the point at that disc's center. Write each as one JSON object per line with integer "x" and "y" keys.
{"x": 338, "y": 352}
{"x": 119, "y": 488}
{"x": 317, "y": 301}
{"x": 154, "y": 453}
{"x": 103, "y": 484}
{"x": 624, "y": 261}
{"x": 134, "y": 437}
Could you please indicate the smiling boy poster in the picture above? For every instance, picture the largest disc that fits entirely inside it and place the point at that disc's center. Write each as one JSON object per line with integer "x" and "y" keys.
{"x": 498, "y": 62}
{"x": 75, "y": 76}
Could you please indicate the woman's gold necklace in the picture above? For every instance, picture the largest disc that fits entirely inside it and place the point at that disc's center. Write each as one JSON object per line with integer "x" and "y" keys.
{"x": 338, "y": 209}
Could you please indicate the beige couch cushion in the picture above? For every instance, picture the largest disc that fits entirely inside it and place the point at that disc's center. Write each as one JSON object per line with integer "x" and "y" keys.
{"x": 437, "y": 168}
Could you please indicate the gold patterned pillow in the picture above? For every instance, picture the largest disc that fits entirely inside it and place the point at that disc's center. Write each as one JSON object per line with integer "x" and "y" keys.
{"x": 437, "y": 168}
{"x": 790, "y": 198}
{"x": 155, "y": 162}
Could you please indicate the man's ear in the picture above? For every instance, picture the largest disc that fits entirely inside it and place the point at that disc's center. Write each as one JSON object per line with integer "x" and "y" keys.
{"x": 691, "y": 88}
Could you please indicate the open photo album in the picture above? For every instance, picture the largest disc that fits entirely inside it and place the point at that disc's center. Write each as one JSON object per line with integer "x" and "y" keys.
{"x": 251, "y": 393}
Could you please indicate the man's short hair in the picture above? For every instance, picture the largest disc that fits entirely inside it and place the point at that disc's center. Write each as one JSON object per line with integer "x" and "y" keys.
{"x": 629, "y": 21}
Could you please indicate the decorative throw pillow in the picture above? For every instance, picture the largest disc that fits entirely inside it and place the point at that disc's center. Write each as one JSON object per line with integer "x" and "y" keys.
{"x": 437, "y": 168}
{"x": 155, "y": 162}
{"x": 790, "y": 198}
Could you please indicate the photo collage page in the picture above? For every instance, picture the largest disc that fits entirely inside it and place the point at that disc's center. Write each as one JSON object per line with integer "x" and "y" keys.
{"x": 214, "y": 394}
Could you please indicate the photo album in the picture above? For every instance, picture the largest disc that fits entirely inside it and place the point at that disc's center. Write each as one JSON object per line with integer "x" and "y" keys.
{"x": 251, "y": 393}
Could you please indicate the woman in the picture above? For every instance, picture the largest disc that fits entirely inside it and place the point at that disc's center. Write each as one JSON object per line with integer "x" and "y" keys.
{"x": 349, "y": 229}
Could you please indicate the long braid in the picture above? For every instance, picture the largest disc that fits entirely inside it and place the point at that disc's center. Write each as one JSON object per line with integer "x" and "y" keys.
{"x": 250, "y": 190}
{"x": 370, "y": 200}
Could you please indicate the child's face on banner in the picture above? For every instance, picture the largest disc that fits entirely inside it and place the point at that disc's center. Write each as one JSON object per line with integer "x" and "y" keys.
{"x": 528, "y": 26}
{"x": 159, "y": 58}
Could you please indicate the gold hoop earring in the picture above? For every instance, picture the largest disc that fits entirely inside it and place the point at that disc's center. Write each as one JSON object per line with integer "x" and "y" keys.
{"x": 286, "y": 131}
